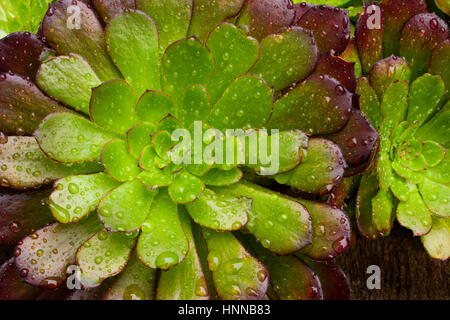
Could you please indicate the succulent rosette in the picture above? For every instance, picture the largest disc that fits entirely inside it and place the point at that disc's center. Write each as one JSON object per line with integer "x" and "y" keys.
{"x": 90, "y": 107}
{"x": 404, "y": 93}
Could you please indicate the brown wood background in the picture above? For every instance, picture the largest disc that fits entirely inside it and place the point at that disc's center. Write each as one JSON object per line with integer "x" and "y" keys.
{"x": 407, "y": 272}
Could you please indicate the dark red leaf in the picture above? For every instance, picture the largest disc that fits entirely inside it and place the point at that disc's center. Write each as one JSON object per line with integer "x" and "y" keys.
{"x": 109, "y": 8}
{"x": 267, "y": 16}
{"x": 397, "y": 13}
{"x": 87, "y": 38}
{"x": 356, "y": 140}
{"x": 22, "y": 105}
{"x": 421, "y": 34}
{"x": 369, "y": 35}
{"x": 53, "y": 294}
{"x": 11, "y": 285}
{"x": 21, "y": 214}
{"x": 300, "y": 10}
{"x": 331, "y": 231}
{"x": 336, "y": 67}
{"x": 330, "y": 26}
{"x": 20, "y": 53}
{"x": 440, "y": 62}
{"x": 43, "y": 257}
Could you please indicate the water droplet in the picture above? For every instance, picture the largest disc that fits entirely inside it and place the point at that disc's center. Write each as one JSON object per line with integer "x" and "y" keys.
{"x": 261, "y": 275}
{"x": 340, "y": 245}
{"x": 73, "y": 188}
{"x": 166, "y": 260}
{"x": 133, "y": 292}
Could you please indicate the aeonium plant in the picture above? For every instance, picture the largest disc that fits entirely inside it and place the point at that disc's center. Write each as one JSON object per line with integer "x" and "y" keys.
{"x": 102, "y": 110}
{"x": 404, "y": 92}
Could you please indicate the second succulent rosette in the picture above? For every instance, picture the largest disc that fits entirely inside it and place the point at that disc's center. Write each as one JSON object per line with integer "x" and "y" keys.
{"x": 404, "y": 92}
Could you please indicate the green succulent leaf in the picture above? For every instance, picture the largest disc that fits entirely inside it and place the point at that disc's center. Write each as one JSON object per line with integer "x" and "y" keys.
{"x": 207, "y": 14}
{"x": 409, "y": 154}
{"x": 368, "y": 189}
{"x": 185, "y": 281}
{"x": 368, "y": 101}
{"x": 69, "y": 138}
{"x": 414, "y": 215}
{"x": 171, "y": 16}
{"x": 395, "y": 103}
{"x": 287, "y": 57}
{"x": 436, "y": 197}
{"x": 424, "y": 96}
{"x": 322, "y": 104}
{"x": 220, "y": 212}
{"x": 136, "y": 282}
{"x": 321, "y": 168}
{"x": 163, "y": 242}
{"x": 169, "y": 123}
{"x": 216, "y": 177}
{"x": 397, "y": 135}
{"x": 436, "y": 241}
{"x": 234, "y": 53}
{"x": 22, "y": 15}
{"x": 383, "y": 212}
{"x": 125, "y": 208}
{"x": 433, "y": 153}
{"x": 440, "y": 173}
{"x": 154, "y": 106}
{"x": 118, "y": 162}
{"x": 283, "y": 226}
{"x": 184, "y": 63}
{"x": 103, "y": 256}
{"x": 388, "y": 71}
{"x": 112, "y": 106}
{"x": 196, "y": 105}
{"x": 69, "y": 79}
{"x": 246, "y": 103}
{"x": 74, "y": 197}
{"x": 186, "y": 188}
{"x": 23, "y": 165}
{"x": 147, "y": 159}
{"x": 138, "y": 138}
{"x": 55, "y": 248}
{"x": 401, "y": 188}
{"x": 384, "y": 170}
{"x": 155, "y": 179}
{"x": 236, "y": 274}
{"x": 437, "y": 129}
{"x": 133, "y": 43}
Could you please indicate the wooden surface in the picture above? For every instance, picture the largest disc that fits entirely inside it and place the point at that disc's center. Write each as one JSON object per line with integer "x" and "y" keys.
{"x": 407, "y": 272}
